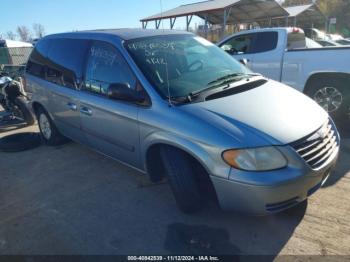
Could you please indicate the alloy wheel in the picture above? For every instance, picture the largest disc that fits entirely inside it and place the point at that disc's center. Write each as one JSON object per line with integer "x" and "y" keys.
{"x": 330, "y": 98}
{"x": 45, "y": 126}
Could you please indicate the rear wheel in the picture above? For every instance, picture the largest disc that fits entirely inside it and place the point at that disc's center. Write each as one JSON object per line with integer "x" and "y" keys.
{"x": 182, "y": 179}
{"x": 333, "y": 96}
{"x": 48, "y": 130}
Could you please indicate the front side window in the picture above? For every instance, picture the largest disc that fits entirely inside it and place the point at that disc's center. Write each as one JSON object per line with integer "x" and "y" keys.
{"x": 251, "y": 43}
{"x": 106, "y": 66}
{"x": 178, "y": 65}
{"x": 238, "y": 45}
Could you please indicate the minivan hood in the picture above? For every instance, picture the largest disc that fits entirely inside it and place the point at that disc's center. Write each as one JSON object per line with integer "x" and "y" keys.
{"x": 273, "y": 109}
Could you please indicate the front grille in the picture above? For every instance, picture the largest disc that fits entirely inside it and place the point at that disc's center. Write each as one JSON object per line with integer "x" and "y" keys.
{"x": 318, "y": 147}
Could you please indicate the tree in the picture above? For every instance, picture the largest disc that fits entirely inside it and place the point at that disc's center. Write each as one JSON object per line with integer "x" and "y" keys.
{"x": 39, "y": 30}
{"x": 338, "y": 9}
{"x": 24, "y": 33}
{"x": 10, "y": 35}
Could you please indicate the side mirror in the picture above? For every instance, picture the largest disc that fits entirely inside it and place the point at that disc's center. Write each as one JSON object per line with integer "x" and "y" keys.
{"x": 122, "y": 91}
{"x": 244, "y": 62}
{"x": 231, "y": 51}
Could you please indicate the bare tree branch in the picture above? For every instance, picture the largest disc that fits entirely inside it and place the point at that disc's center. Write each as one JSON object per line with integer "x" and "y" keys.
{"x": 24, "y": 33}
{"x": 39, "y": 30}
{"x": 10, "y": 35}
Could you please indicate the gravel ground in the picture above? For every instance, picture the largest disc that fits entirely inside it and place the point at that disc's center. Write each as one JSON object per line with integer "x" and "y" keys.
{"x": 71, "y": 200}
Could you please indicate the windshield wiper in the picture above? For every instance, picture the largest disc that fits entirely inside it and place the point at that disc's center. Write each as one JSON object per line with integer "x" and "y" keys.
{"x": 219, "y": 82}
{"x": 233, "y": 77}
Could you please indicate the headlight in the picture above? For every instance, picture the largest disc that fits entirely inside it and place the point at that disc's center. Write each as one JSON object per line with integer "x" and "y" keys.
{"x": 255, "y": 159}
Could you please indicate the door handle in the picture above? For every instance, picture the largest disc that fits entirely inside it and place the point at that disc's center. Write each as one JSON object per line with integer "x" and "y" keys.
{"x": 72, "y": 106}
{"x": 86, "y": 111}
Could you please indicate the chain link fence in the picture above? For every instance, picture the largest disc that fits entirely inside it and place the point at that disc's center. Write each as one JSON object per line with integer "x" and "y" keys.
{"x": 13, "y": 60}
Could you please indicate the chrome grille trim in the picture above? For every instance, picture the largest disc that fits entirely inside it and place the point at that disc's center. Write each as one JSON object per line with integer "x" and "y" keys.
{"x": 318, "y": 147}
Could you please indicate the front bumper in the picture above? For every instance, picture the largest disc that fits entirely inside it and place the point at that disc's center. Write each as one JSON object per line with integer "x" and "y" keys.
{"x": 263, "y": 193}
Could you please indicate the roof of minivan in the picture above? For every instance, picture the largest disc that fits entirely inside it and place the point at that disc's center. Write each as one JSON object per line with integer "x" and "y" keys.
{"x": 126, "y": 33}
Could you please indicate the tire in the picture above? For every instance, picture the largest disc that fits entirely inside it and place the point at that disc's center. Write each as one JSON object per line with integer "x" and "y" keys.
{"x": 48, "y": 130}
{"x": 28, "y": 117}
{"x": 182, "y": 179}
{"x": 338, "y": 105}
{"x": 20, "y": 142}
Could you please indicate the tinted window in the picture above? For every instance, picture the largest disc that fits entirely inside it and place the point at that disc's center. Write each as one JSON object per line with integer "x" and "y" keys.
{"x": 239, "y": 44}
{"x": 65, "y": 61}
{"x": 263, "y": 42}
{"x": 37, "y": 60}
{"x": 106, "y": 66}
{"x": 251, "y": 43}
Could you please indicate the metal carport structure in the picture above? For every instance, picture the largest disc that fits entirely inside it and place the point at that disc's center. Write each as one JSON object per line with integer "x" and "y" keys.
{"x": 305, "y": 14}
{"x": 222, "y": 12}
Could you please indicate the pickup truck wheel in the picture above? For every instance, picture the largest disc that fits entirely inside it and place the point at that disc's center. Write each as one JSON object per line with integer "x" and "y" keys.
{"x": 332, "y": 95}
{"x": 48, "y": 130}
{"x": 182, "y": 179}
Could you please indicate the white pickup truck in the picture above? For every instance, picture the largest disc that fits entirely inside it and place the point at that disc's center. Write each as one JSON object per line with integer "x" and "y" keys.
{"x": 282, "y": 54}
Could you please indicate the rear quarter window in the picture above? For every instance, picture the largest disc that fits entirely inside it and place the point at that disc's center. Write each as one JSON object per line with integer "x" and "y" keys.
{"x": 65, "y": 61}
{"x": 37, "y": 60}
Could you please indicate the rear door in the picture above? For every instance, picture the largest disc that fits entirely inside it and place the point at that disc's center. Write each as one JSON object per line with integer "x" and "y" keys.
{"x": 261, "y": 50}
{"x": 64, "y": 75}
{"x": 110, "y": 126}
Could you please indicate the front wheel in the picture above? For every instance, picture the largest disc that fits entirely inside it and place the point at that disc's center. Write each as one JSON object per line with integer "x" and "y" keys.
{"x": 182, "y": 179}
{"x": 333, "y": 96}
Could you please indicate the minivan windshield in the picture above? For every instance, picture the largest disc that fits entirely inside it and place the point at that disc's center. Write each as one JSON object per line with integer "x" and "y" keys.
{"x": 180, "y": 65}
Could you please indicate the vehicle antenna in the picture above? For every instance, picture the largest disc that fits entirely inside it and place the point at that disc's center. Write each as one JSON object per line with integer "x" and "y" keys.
{"x": 166, "y": 62}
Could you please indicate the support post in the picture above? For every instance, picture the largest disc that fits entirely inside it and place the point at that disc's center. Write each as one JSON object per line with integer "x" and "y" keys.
{"x": 188, "y": 22}
{"x": 158, "y": 23}
{"x": 224, "y": 24}
{"x": 295, "y": 21}
{"x": 172, "y": 22}
{"x": 206, "y": 26}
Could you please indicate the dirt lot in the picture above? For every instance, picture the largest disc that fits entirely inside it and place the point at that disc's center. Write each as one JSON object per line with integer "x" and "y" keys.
{"x": 71, "y": 200}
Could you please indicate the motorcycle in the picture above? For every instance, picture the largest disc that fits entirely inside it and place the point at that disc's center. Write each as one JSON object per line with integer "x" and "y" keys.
{"x": 13, "y": 99}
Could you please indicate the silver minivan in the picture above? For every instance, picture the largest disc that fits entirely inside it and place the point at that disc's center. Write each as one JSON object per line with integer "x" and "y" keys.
{"x": 175, "y": 106}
